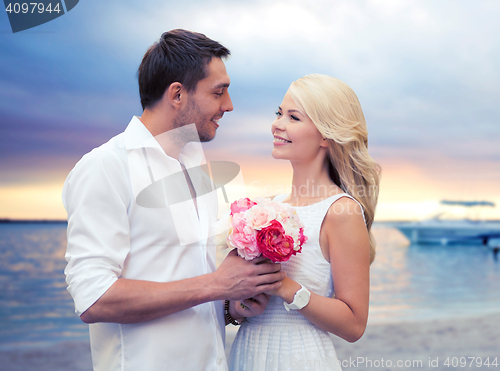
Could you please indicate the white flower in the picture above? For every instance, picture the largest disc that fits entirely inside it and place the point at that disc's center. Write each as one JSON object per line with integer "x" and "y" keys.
{"x": 260, "y": 215}
{"x": 222, "y": 229}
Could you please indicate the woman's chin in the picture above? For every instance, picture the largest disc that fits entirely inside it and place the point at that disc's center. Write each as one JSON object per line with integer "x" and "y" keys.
{"x": 277, "y": 155}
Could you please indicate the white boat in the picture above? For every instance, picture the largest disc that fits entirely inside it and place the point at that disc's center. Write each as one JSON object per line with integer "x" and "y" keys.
{"x": 442, "y": 230}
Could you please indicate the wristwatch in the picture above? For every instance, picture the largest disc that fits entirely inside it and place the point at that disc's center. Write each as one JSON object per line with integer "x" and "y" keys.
{"x": 300, "y": 300}
{"x": 229, "y": 319}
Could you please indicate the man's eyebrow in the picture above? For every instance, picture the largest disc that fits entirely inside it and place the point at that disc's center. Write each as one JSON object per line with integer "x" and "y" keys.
{"x": 222, "y": 85}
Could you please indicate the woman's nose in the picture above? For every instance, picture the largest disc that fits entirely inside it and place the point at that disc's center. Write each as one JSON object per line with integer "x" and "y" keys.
{"x": 277, "y": 125}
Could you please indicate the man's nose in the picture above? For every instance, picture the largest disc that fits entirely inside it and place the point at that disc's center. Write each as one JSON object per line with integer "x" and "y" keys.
{"x": 227, "y": 106}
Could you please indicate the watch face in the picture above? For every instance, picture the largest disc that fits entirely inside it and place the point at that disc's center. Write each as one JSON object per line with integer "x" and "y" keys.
{"x": 302, "y": 298}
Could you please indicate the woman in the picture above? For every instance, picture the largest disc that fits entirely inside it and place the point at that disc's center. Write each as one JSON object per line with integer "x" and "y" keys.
{"x": 321, "y": 130}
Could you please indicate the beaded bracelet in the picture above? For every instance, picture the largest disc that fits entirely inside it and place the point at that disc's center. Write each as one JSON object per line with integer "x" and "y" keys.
{"x": 230, "y": 319}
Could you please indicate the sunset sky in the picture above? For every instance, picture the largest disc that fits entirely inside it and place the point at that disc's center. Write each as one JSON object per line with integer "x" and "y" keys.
{"x": 427, "y": 74}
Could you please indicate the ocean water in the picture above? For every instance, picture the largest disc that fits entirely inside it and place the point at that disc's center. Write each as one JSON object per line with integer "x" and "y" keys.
{"x": 408, "y": 283}
{"x": 35, "y": 307}
{"x": 424, "y": 282}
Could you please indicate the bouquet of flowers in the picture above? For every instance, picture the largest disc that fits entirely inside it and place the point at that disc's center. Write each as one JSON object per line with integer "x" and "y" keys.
{"x": 261, "y": 227}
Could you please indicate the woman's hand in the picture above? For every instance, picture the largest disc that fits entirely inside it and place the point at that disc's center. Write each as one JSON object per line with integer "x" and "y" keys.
{"x": 287, "y": 290}
{"x": 251, "y": 307}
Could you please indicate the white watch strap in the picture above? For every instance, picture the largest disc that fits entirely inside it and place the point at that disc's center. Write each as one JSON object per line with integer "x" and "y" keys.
{"x": 300, "y": 299}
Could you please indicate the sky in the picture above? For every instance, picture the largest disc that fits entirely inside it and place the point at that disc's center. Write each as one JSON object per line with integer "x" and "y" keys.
{"x": 427, "y": 74}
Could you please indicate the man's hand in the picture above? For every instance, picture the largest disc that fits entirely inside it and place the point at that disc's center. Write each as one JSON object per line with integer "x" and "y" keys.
{"x": 251, "y": 307}
{"x": 240, "y": 279}
{"x": 132, "y": 301}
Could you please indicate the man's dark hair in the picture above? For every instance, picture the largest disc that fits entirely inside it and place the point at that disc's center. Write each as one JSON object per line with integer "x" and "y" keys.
{"x": 179, "y": 56}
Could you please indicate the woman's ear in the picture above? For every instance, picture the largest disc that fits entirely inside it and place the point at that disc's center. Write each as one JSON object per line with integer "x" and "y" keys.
{"x": 324, "y": 143}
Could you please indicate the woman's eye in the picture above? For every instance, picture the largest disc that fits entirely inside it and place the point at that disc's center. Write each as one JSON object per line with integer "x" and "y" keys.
{"x": 278, "y": 113}
{"x": 294, "y": 118}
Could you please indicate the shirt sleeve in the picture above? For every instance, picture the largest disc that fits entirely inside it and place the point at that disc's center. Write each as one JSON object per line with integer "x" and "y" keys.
{"x": 96, "y": 196}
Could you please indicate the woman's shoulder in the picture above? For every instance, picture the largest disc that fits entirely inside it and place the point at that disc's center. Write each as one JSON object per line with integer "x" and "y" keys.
{"x": 344, "y": 209}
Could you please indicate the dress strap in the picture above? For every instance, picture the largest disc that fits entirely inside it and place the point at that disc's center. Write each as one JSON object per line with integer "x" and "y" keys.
{"x": 279, "y": 198}
{"x": 339, "y": 196}
{"x": 323, "y": 206}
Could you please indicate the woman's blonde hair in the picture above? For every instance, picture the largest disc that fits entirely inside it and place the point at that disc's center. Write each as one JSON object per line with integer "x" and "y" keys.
{"x": 335, "y": 110}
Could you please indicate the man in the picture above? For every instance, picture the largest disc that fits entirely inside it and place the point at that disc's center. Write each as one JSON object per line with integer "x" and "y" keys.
{"x": 139, "y": 266}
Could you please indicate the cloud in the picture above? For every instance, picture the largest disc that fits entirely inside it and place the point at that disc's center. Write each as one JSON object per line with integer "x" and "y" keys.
{"x": 426, "y": 73}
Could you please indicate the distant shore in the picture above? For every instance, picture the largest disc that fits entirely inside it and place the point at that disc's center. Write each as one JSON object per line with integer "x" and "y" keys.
{"x": 378, "y": 223}
{"x": 426, "y": 345}
{"x": 27, "y": 221}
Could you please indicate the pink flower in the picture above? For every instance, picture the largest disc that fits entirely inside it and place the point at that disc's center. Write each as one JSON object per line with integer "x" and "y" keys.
{"x": 243, "y": 204}
{"x": 239, "y": 221}
{"x": 244, "y": 242}
{"x": 274, "y": 244}
{"x": 302, "y": 239}
{"x": 262, "y": 226}
{"x": 242, "y": 237}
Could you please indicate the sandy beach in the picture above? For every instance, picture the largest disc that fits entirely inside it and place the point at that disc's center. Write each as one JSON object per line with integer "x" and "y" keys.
{"x": 409, "y": 345}
{"x": 431, "y": 342}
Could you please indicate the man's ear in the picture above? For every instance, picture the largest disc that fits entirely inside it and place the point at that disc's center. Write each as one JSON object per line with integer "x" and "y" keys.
{"x": 174, "y": 94}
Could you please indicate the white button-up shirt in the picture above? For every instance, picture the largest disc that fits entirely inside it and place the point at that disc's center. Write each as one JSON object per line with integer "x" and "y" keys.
{"x": 131, "y": 215}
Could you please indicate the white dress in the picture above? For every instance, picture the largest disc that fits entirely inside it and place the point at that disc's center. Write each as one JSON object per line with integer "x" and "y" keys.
{"x": 281, "y": 340}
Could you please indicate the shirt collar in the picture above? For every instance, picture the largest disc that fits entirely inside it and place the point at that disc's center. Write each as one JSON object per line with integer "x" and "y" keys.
{"x": 136, "y": 135}
{"x": 192, "y": 155}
